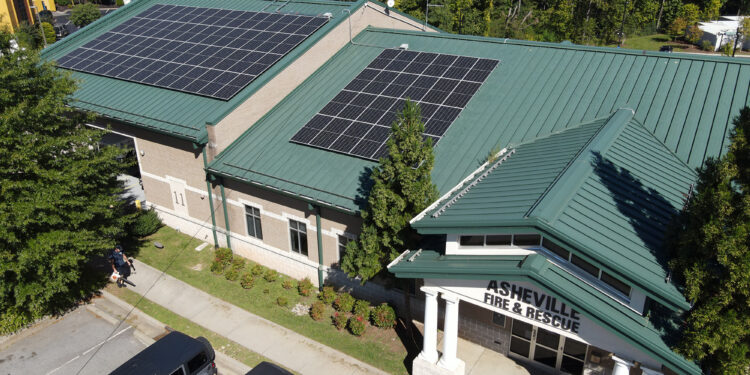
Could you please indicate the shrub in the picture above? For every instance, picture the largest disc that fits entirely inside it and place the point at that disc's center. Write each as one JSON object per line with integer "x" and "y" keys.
{"x": 238, "y": 264}
{"x": 339, "y": 320}
{"x": 49, "y": 33}
{"x": 383, "y": 316}
{"x": 223, "y": 256}
{"x": 693, "y": 34}
{"x": 247, "y": 281}
{"x": 146, "y": 223}
{"x": 327, "y": 295}
{"x": 282, "y": 301}
{"x": 217, "y": 267}
{"x": 362, "y": 308}
{"x": 232, "y": 274}
{"x": 63, "y": 3}
{"x": 287, "y": 284}
{"x": 84, "y": 14}
{"x": 357, "y": 325}
{"x": 258, "y": 270}
{"x": 707, "y": 46}
{"x": 305, "y": 287}
{"x": 344, "y": 302}
{"x": 317, "y": 310}
{"x": 29, "y": 36}
{"x": 727, "y": 49}
{"x": 271, "y": 275}
{"x": 120, "y": 3}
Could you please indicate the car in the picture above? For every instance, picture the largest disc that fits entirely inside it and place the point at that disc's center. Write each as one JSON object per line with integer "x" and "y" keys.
{"x": 60, "y": 31}
{"x": 174, "y": 354}
{"x": 667, "y": 49}
{"x": 266, "y": 368}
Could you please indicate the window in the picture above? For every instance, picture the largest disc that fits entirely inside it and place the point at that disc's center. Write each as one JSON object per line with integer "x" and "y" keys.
{"x": 498, "y": 319}
{"x": 584, "y": 265}
{"x": 298, "y": 235}
{"x": 527, "y": 239}
{"x": 252, "y": 218}
{"x": 499, "y": 240}
{"x": 472, "y": 240}
{"x": 615, "y": 283}
{"x": 197, "y": 362}
{"x": 343, "y": 241}
{"x": 556, "y": 249}
{"x": 179, "y": 371}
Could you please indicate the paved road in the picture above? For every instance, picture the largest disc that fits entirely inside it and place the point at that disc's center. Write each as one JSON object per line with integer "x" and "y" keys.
{"x": 63, "y": 347}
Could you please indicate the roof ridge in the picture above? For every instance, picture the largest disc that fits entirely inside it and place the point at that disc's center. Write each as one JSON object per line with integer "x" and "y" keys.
{"x": 621, "y": 116}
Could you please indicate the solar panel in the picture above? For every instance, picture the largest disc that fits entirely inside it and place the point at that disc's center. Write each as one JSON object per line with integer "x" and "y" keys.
{"x": 205, "y": 51}
{"x": 357, "y": 121}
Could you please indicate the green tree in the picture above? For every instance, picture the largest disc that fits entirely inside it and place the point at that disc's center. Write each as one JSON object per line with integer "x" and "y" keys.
{"x": 710, "y": 249}
{"x": 59, "y": 205}
{"x": 691, "y": 13}
{"x": 693, "y": 34}
{"x": 29, "y": 36}
{"x": 402, "y": 188}
{"x": 84, "y": 14}
{"x": 677, "y": 28}
{"x": 712, "y": 9}
{"x": 49, "y": 32}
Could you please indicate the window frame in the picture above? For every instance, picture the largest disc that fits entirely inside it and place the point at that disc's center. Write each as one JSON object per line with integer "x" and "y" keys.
{"x": 295, "y": 231}
{"x": 248, "y": 215}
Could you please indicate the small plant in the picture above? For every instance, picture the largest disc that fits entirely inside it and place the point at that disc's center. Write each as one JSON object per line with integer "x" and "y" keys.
{"x": 258, "y": 270}
{"x": 383, "y": 316}
{"x": 357, "y": 325}
{"x": 247, "y": 281}
{"x": 317, "y": 310}
{"x": 266, "y": 291}
{"x": 327, "y": 295}
{"x": 232, "y": 274}
{"x": 344, "y": 302}
{"x": 238, "y": 264}
{"x": 271, "y": 275}
{"x": 305, "y": 287}
{"x": 146, "y": 223}
{"x": 282, "y": 301}
{"x": 287, "y": 284}
{"x": 217, "y": 268}
{"x": 707, "y": 46}
{"x": 222, "y": 259}
{"x": 362, "y": 308}
{"x": 120, "y": 3}
{"x": 339, "y": 320}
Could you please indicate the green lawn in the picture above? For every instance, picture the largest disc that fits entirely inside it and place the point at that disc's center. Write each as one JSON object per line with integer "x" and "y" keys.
{"x": 380, "y": 348}
{"x": 220, "y": 343}
{"x": 651, "y": 43}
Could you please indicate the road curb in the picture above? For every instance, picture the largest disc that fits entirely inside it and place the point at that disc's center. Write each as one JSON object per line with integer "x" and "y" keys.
{"x": 101, "y": 314}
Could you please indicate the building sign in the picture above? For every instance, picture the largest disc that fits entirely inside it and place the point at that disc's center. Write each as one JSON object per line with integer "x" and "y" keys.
{"x": 532, "y": 304}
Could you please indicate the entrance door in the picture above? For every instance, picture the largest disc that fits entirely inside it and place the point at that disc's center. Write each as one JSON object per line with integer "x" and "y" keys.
{"x": 548, "y": 348}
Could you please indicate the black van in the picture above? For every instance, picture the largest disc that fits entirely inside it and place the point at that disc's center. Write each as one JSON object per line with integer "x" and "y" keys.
{"x": 174, "y": 354}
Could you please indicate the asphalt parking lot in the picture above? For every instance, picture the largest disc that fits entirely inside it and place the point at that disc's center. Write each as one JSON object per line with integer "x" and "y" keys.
{"x": 64, "y": 346}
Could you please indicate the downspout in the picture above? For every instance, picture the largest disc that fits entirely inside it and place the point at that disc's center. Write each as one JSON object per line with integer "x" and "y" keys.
{"x": 226, "y": 215}
{"x": 210, "y": 198}
{"x": 319, "y": 231}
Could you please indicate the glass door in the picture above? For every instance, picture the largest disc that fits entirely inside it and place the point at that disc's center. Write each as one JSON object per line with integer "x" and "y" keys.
{"x": 548, "y": 348}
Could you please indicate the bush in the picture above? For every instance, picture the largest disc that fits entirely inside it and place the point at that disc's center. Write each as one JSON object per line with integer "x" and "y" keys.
{"x": 362, "y": 308}
{"x": 357, "y": 325}
{"x": 327, "y": 295}
{"x": 238, "y": 264}
{"x": 344, "y": 302}
{"x": 258, "y": 270}
{"x": 305, "y": 287}
{"x": 707, "y": 46}
{"x": 120, "y": 3}
{"x": 232, "y": 274}
{"x": 63, "y": 3}
{"x": 317, "y": 310}
{"x": 49, "y": 33}
{"x": 247, "y": 281}
{"x": 383, "y": 316}
{"x": 29, "y": 36}
{"x": 84, "y": 14}
{"x": 271, "y": 275}
{"x": 217, "y": 267}
{"x": 223, "y": 256}
{"x": 339, "y": 321}
{"x": 727, "y": 49}
{"x": 282, "y": 301}
{"x": 693, "y": 34}
{"x": 287, "y": 284}
{"x": 146, "y": 223}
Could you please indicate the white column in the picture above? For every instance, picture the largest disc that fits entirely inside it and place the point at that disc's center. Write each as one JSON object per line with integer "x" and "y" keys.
{"x": 429, "y": 346}
{"x": 648, "y": 371}
{"x": 450, "y": 332}
{"x": 622, "y": 367}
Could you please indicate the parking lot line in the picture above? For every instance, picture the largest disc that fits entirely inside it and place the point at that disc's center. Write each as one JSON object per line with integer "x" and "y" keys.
{"x": 89, "y": 350}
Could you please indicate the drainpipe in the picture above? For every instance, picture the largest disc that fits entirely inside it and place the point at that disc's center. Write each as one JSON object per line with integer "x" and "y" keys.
{"x": 226, "y": 215}
{"x": 319, "y": 231}
{"x": 210, "y": 198}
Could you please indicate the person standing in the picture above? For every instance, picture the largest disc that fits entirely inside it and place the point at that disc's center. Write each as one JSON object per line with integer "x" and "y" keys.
{"x": 121, "y": 264}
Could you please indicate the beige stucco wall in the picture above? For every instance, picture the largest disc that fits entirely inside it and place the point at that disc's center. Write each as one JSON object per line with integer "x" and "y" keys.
{"x": 250, "y": 111}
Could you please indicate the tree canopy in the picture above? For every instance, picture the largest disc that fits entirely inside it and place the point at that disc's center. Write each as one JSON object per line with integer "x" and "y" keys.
{"x": 84, "y": 14}
{"x": 711, "y": 257}
{"x": 59, "y": 195}
{"x": 402, "y": 188}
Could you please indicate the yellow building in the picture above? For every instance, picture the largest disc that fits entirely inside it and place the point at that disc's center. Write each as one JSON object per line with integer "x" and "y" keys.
{"x": 14, "y": 12}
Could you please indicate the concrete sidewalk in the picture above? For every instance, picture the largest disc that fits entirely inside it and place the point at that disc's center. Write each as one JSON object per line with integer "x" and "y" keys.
{"x": 264, "y": 337}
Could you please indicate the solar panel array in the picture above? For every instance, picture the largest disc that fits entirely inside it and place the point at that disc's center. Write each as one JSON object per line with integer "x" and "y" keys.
{"x": 206, "y": 51}
{"x": 357, "y": 121}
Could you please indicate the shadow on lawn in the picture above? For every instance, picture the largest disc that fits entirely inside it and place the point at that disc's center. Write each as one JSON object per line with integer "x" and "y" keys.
{"x": 411, "y": 338}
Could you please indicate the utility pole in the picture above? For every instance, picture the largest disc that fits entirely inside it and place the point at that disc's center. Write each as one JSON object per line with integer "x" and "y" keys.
{"x": 737, "y": 33}
{"x": 427, "y": 12}
{"x": 622, "y": 25}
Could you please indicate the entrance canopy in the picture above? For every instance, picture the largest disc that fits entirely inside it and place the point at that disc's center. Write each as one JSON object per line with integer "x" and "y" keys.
{"x": 618, "y": 319}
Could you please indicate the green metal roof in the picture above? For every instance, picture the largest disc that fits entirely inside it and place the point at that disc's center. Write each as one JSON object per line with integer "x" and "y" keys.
{"x": 687, "y": 101}
{"x": 607, "y": 189}
{"x": 635, "y": 329}
{"x": 171, "y": 112}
